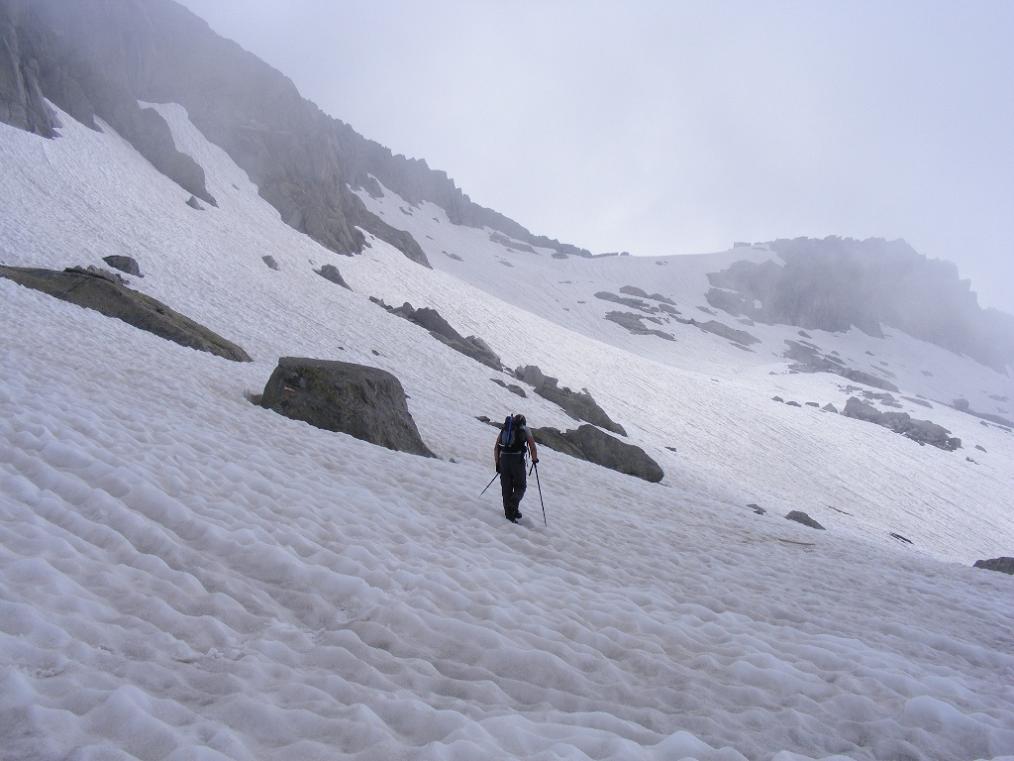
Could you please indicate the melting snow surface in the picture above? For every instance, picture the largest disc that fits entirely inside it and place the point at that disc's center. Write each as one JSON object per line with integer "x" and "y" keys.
{"x": 185, "y": 576}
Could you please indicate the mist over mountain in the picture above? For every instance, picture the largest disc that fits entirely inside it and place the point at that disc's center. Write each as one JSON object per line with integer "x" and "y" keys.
{"x": 99, "y": 59}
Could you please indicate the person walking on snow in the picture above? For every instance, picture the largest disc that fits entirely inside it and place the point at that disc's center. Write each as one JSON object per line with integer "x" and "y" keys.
{"x": 509, "y": 457}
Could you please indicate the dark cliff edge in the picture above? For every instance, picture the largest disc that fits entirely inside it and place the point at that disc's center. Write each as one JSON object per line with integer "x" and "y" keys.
{"x": 96, "y": 59}
{"x": 837, "y": 283}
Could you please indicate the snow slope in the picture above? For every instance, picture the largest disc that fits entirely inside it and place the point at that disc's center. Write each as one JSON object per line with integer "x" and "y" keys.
{"x": 184, "y": 575}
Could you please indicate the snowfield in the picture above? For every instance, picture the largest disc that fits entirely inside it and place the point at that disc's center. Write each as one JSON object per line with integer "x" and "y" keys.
{"x": 185, "y": 576}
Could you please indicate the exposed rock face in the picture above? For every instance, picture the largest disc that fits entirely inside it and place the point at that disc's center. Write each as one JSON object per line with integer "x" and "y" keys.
{"x": 589, "y": 443}
{"x": 922, "y": 431}
{"x": 123, "y": 263}
{"x": 1003, "y": 565}
{"x": 21, "y": 99}
{"x": 362, "y": 401}
{"x": 578, "y": 404}
{"x": 98, "y": 59}
{"x": 101, "y": 292}
{"x": 269, "y": 260}
{"x": 472, "y": 346}
{"x": 414, "y": 181}
{"x": 330, "y": 272}
{"x": 633, "y": 323}
{"x": 835, "y": 284}
{"x": 800, "y": 517}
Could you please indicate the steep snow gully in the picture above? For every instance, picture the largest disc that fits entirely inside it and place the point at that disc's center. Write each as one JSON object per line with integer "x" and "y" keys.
{"x": 184, "y": 575}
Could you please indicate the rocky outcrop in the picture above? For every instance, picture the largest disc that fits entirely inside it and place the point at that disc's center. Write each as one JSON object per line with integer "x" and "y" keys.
{"x": 633, "y": 290}
{"x": 578, "y": 404}
{"x": 472, "y": 346}
{"x": 512, "y": 387}
{"x": 740, "y": 337}
{"x": 800, "y": 517}
{"x": 124, "y": 264}
{"x": 589, "y": 443}
{"x": 1003, "y": 565}
{"x": 921, "y": 431}
{"x": 98, "y": 59}
{"x": 626, "y": 301}
{"x": 509, "y": 243}
{"x": 962, "y": 405}
{"x": 367, "y": 161}
{"x": 362, "y": 401}
{"x": 103, "y": 293}
{"x": 633, "y": 323}
{"x": 269, "y": 260}
{"x": 402, "y": 240}
{"x": 330, "y": 272}
{"x": 836, "y": 283}
{"x": 22, "y": 103}
{"x": 807, "y": 359}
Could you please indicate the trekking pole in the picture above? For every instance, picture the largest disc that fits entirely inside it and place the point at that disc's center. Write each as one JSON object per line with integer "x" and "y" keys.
{"x": 539, "y": 484}
{"x": 495, "y": 475}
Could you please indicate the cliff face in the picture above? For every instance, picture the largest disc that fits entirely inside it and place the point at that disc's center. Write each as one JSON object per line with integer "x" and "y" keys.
{"x": 95, "y": 58}
{"x": 838, "y": 283}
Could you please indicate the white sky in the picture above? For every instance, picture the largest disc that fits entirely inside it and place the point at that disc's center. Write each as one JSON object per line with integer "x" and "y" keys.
{"x": 669, "y": 127}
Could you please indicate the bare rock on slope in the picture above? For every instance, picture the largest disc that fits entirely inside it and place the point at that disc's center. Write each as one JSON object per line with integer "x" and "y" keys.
{"x": 330, "y": 272}
{"x": 921, "y": 431}
{"x": 126, "y": 264}
{"x": 800, "y": 517}
{"x": 365, "y": 402}
{"x": 472, "y": 346}
{"x": 1003, "y": 565}
{"x": 806, "y": 358}
{"x": 578, "y": 404}
{"x": 101, "y": 292}
{"x": 589, "y": 443}
{"x": 633, "y": 323}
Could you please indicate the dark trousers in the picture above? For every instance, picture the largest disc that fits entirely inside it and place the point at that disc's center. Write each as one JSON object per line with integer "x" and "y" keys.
{"x": 513, "y": 482}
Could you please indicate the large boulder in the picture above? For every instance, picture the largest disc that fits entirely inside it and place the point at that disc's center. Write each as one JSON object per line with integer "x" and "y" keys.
{"x": 578, "y": 404}
{"x": 589, "y": 443}
{"x": 1003, "y": 565}
{"x": 365, "y": 402}
{"x": 94, "y": 289}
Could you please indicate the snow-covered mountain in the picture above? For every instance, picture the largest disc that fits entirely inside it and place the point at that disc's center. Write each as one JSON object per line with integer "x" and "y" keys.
{"x": 186, "y": 575}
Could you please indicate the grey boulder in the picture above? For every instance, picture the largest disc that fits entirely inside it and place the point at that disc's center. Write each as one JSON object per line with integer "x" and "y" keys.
{"x": 365, "y": 402}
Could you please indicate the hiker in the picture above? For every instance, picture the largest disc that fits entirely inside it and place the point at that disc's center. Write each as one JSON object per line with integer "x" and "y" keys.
{"x": 509, "y": 457}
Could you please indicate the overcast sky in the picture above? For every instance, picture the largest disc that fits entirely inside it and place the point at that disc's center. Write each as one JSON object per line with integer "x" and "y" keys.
{"x": 664, "y": 127}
